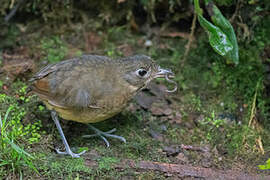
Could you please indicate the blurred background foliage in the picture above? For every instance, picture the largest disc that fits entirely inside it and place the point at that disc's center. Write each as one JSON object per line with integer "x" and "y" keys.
{"x": 244, "y": 14}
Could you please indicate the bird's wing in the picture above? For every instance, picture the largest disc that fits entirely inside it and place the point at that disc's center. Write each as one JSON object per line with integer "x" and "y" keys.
{"x": 40, "y": 82}
{"x": 44, "y": 72}
{"x": 64, "y": 84}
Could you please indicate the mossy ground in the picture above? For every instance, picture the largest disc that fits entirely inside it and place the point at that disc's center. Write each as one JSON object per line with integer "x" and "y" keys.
{"x": 214, "y": 111}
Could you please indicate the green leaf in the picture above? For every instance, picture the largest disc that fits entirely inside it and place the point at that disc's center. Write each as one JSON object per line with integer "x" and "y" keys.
{"x": 17, "y": 148}
{"x": 218, "y": 39}
{"x": 265, "y": 166}
{"x": 220, "y": 21}
{"x": 221, "y": 33}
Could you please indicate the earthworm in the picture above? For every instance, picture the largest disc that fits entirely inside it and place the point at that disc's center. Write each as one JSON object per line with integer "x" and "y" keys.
{"x": 171, "y": 81}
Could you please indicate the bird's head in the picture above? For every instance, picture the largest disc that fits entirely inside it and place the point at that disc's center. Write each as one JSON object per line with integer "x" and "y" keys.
{"x": 141, "y": 69}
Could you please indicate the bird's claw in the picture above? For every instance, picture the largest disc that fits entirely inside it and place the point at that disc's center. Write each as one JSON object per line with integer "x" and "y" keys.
{"x": 69, "y": 152}
{"x": 103, "y": 135}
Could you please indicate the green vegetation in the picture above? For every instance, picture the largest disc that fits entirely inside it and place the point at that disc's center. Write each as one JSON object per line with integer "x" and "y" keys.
{"x": 238, "y": 90}
{"x": 54, "y": 48}
{"x": 15, "y": 137}
{"x": 12, "y": 156}
{"x": 105, "y": 163}
{"x": 8, "y": 35}
{"x": 51, "y": 166}
{"x": 265, "y": 166}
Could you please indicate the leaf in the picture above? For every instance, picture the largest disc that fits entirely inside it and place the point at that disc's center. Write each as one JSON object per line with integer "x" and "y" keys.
{"x": 220, "y": 21}
{"x": 17, "y": 148}
{"x": 221, "y": 33}
{"x": 218, "y": 39}
{"x": 265, "y": 166}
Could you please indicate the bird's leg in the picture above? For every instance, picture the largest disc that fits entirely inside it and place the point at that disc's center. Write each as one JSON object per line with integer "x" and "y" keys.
{"x": 102, "y": 135}
{"x": 68, "y": 150}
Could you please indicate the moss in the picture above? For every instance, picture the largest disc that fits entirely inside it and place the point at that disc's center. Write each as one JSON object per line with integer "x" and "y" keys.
{"x": 50, "y": 166}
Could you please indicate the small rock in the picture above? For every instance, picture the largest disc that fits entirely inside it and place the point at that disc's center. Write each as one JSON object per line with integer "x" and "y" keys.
{"x": 144, "y": 100}
{"x": 182, "y": 157}
{"x": 163, "y": 118}
{"x": 159, "y": 150}
{"x": 156, "y": 111}
{"x": 168, "y": 175}
{"x": 206, "y": 163}
{"x": 148, "y": 43}
{"x": 227, "y": 117}
{"x": 177, "y": 118}
{"x": 188, "y": 125}
{"x": 171, "y": 151}
{"x": 163, "y": 128}
{"x": 155, "y": 135}
{"x": 157, "y": 89}
{"x": 167, "y": 111}
{"x": 93, "y": 154}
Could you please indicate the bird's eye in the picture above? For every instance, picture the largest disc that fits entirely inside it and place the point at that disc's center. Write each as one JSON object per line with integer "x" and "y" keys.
{"x": 141, "y": 72}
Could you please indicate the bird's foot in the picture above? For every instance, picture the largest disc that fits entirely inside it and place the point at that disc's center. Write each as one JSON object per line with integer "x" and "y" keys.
{"x": 102, "y": 135}
{"x": 69, "y": 152}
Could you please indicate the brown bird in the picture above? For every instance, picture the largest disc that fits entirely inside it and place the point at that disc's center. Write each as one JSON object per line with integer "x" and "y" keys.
{"x": 93, "y": 88}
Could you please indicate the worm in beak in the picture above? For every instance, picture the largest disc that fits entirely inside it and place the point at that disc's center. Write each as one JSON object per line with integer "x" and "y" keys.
{"x": 167, "y": 74}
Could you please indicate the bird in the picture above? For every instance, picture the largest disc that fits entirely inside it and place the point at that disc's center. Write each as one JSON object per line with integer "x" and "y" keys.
{"x": 93, "y": 88}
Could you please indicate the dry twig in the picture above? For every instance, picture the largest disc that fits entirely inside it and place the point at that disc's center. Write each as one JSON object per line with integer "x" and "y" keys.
{"x": 190, "y": 40}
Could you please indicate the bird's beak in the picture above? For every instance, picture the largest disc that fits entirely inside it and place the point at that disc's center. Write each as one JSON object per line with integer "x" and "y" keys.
{"x": 167, "y": 74}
